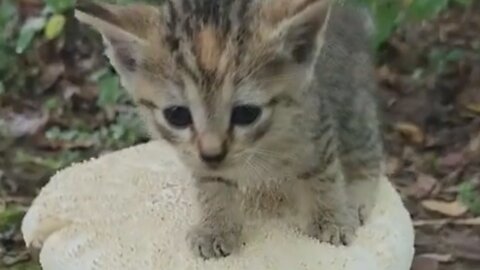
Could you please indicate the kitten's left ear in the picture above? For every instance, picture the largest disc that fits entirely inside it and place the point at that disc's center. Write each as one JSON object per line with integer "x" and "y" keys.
{"x": 125, "y": 29}
{"x": 303, "y": 32}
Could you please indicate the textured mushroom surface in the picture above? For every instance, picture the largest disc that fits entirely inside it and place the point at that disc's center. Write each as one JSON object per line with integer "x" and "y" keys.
{"x": 131, "y": 210}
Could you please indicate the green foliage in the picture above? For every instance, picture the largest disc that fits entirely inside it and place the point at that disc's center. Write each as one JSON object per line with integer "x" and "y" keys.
{"x": 439, "y": 58}
{"x": 10, "y": 217}
{"x": 31, "y": 27}
{"x": 58, "y": 6}
{"x": 110, "y": 90}
{"x": 124, "y": 131}
{"x": 51, "y": 21}
{"x": 54, "y": 26}
{"x": 26, "y": 266}
{"x": 470, "y": 197}
{"x": 7, "y": 18}
{"x": 389, "y": 14}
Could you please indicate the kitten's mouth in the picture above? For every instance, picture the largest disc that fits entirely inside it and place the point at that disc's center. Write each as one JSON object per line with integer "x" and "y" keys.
{"x": 219, "y": 170}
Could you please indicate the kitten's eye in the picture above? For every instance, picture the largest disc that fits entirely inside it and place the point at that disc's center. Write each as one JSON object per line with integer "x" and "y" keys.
{"x": 245, "y": 114}
{"x": 178, "y": 116}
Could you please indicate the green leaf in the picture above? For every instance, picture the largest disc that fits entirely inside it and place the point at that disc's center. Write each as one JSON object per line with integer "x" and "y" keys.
{"x": 27, "y": 33}
{"x": 10, "y": 217}
{"x": 455, "y": 55}
{"x": 59, "y": 6}
{"x": 387, "y": 16}
{"x": 30, "y": 265}
{"x": 470, "y": 197}
{"x": 464, "y": 2}
{"x": 54, "y": 26}
{"x": 426, "y": 9}
{"x": 2, "y": 88}
{"x": 7, "y": 11}
{"x": 110, "y": 90}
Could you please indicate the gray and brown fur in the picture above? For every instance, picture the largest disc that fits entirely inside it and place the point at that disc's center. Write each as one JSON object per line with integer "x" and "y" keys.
{"x": 314, "y": 155}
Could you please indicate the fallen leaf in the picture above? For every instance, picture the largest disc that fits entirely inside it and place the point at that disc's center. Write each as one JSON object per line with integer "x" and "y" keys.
{"x": 17, "y": 258}
{"x": 465, "y": 246}
{"x": 473, "y": 107}
{"x": 411, "y": 131}
{"x": 473, "y": 148}
{"x": 20, "y": 125}
{"x": 424, "y": 263}
{"x": 452, "y": 209}
{"x": 393, "y": 166}
{"x": 445, "y": 221}
{"x": 431, "y": 222}
{"x": 452, "y": 160}
{"x": 423, "y": 186}
{"x": 468, "y": 221}
{"x": 442, "y": 258}
{"x": 50, "y": 75}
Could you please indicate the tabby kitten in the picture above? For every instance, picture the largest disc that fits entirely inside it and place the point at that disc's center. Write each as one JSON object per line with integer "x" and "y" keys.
{"x": 268, "y": 102}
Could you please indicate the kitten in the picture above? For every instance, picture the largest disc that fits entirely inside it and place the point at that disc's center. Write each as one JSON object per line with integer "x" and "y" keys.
{"x": 268, "y": 102}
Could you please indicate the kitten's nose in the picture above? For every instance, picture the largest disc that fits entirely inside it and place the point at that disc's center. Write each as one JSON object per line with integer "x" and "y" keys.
{"x": 212, "y": 149}
{"x": 213, "y": 160}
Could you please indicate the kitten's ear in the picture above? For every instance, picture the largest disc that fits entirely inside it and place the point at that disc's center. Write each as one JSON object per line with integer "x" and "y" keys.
{"x": 125, "y": 29}
{"x": 303, "y": 32}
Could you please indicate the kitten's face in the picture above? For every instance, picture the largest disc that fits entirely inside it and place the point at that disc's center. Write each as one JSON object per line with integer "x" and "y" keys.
{"x": 222, "y": 82}
{"x": 226, "y": 124}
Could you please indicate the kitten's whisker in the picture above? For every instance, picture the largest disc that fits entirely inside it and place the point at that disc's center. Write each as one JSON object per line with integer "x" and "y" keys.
{"x": 282, "y": 78}
{"x": 253, "y": 167}
{"x": 276, "y": 155}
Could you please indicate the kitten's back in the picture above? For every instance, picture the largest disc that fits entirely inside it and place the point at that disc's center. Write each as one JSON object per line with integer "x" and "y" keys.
{"x": 345, "y": 73}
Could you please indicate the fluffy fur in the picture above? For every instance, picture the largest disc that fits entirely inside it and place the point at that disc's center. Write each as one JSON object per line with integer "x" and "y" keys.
{"x": 314, "y": 152}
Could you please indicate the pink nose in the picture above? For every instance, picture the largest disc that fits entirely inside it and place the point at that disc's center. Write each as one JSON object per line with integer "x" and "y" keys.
{"x": 212, "y": 149}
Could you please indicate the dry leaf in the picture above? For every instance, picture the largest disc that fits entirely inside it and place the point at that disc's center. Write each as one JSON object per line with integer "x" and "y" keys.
{"x": 468, "y": 221}
{"x": 452, "y": 160}
{"x": 431, "y": 222}
{"x": 424, "y": 263}
{"x": 411, "y": 131}
{"x": 424, "y": 185}
{"x": 452, "y": 209}
{"x": 443, "y": 258}
{"x": 20, "y": 125}
{"x": 466, "y": 246}
{"x": 393, "y": 166}
{"x": 473, "y": 107}
{"x": 445, "y": 221}
{"x": 50, "y": 75}
{"x": 473, "y": 148}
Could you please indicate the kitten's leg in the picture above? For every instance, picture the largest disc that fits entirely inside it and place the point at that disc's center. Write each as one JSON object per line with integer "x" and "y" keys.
{"x": 362, "y": 177}
{"x": 219, "y": 231}
{"x": 360, "y": 143}
{"x": 361, "y": 155}
{"x": 332, "y": 219}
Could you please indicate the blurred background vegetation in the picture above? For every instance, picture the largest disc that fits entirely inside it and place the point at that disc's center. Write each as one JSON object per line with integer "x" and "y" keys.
{"x": 60, "y": 102}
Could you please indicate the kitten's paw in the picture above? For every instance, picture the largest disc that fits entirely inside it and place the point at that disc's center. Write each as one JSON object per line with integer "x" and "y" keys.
{"x": 361, "y": 213}
{"x": 332, "y": 232}
{"x": 209, "y": 243}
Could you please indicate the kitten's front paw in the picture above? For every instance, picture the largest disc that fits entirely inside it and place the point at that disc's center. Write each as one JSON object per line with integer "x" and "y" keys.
{"x": 331, "y": 231}
{"x": 207, "y": 242}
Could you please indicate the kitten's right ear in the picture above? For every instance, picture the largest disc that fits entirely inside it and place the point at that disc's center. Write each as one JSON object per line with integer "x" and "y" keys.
{"x": 125, "y": 29}
{"x": 300, "y": 26}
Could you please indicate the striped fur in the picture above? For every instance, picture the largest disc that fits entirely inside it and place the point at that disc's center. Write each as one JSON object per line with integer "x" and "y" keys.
{"x": 314, "y": 154}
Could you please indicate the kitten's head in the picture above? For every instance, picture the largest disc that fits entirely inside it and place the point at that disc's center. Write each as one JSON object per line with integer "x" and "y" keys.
{"x": 222, "y": 80}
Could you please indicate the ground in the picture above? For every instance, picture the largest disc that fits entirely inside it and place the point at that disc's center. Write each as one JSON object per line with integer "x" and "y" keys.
{"x": 66, "y": 106}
